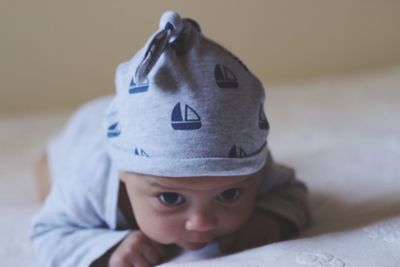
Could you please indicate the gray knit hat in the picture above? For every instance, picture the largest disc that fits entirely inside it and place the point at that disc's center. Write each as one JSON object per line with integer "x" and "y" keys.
{"x": 185, "y": 106}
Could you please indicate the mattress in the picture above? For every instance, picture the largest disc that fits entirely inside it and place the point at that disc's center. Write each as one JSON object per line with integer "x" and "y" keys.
{"x": 340, "y": 133}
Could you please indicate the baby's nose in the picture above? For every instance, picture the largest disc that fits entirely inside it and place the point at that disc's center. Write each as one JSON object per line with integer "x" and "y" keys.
{"x": 201, "y": 221}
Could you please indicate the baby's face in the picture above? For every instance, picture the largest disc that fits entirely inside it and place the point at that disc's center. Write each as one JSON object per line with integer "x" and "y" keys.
{"x": 190, "y": 212}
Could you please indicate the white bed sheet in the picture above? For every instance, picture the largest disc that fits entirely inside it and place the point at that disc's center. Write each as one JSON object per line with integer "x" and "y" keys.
{"x": 342, "y": 135}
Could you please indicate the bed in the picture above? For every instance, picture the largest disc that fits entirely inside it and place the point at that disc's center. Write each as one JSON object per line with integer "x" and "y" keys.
{"x": 340, "y": 133}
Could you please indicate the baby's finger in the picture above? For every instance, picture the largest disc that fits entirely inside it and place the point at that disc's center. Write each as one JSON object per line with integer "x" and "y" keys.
{"x": 160, "y": 249}
{"x": 150, "y": 253}
{"x": 139, "y": 261}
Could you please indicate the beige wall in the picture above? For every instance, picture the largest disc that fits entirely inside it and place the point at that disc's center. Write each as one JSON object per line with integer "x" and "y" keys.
{"x": 55, "y": 54}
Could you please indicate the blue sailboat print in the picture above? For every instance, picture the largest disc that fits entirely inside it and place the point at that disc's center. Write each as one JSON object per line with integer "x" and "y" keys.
{"x": 138, "y": 88}
{"x": 224, "y": 77}
{"x": 237, "y": 152}
{"x": 192, "y": 120}
{"x": 114, "y": 130}
{"x": 140, "y": 152}
{"x": 262, "y": 119}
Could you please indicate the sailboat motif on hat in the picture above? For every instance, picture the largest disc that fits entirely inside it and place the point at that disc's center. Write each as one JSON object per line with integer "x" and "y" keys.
{"x": 192, "y": 120}
{"x": 224, "y": 77}
{"x": 114, "y": 130}
{"x": 262, "y": 119}
{"x": 138, "y": 88}
{"x": 237, "y": 152}
{"x": 140, "y": 152}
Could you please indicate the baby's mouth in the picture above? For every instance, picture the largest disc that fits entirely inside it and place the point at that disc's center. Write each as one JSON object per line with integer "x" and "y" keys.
{"x": 197, "y": 240}
{"x": 200, "y": 240}
{"x": 195, "y": 246}
{"x": 198, "y": 243}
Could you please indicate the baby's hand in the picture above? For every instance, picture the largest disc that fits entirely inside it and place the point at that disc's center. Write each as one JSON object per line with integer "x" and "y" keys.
{"x": 261, "y": 229}
{"x": 137, "y": 250}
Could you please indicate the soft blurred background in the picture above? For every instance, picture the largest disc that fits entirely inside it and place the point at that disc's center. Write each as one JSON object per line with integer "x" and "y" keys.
{"x": 332, "y": 73}
{"x": 59, "y": 54}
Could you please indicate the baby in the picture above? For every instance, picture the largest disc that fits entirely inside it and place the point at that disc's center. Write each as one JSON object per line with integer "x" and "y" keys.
{"x": 177, "y": 158}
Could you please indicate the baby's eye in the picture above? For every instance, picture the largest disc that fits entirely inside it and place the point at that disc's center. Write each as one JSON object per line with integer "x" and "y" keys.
{"x": 229, "y": 195}
{"x": 171, "y": 199}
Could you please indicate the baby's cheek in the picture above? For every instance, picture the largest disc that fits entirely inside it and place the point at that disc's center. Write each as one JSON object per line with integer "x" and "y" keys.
{"x": 235, "y": 219}
{"x": 160, "y": 230}
{"x": 153, "y": 223}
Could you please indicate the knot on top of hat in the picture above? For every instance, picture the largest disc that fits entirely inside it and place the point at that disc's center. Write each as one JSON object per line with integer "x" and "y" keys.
{"x": 171, "y": 25}
{"x": 171, "y": 21}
